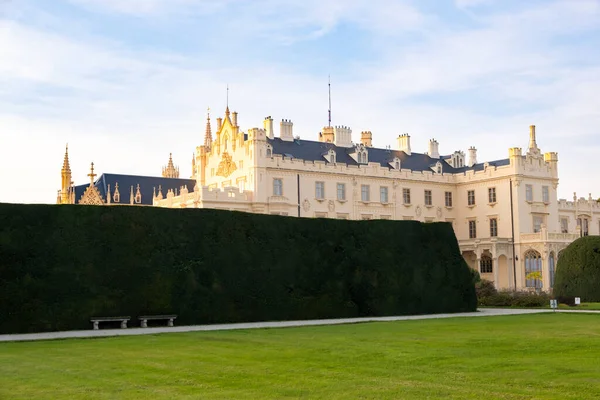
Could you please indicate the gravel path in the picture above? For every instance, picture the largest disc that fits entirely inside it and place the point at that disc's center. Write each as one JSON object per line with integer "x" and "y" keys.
{"x": 485, "y": 312}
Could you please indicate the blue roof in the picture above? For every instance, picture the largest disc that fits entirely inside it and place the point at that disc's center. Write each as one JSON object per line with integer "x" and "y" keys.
{"x": 309, "y": 150}
{"x": 147, "y": 186}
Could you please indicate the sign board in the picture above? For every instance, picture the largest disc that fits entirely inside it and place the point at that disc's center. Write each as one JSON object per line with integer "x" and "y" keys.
{"x": 577, "y": 301}
{"x": 553, "y": 303}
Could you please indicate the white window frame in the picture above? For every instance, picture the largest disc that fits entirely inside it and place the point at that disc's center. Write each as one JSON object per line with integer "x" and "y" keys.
{"x": 383, "y": 194}
{"x": 471, "y": 197}
{"x": 529, "y": 193}
{"x": 365, "y": 193}
{"x": 406, "y": 196}
{"x": 428, "y": 197}
{"x": 492, "y": 195}
{"x": 277, "y": 187}
{"x": 320, "y": 190}
{"x": 448, "y": 199}
{"x": 341, "y": 191}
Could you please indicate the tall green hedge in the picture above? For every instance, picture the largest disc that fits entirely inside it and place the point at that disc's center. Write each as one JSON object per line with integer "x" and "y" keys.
{"x": 578, "y": 270}
{"x": 61, "y": 265}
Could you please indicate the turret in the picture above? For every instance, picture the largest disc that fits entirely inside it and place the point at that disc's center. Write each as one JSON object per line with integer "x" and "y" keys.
{"x": 328, "y": 135}
{"x": 472, "y": 156}
{"x": 286, "y": 130}
{"x": 268, "y": 124}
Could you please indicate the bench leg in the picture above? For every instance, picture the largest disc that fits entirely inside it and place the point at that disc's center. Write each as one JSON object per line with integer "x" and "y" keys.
{"x": 144, "y": 323}
{"x": 170, "y": 323}
{"x": 95, "y": 325}
{"x": 123, "y": 324}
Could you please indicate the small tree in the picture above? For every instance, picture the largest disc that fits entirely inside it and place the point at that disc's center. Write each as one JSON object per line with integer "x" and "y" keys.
{"x": 537, "y": 277}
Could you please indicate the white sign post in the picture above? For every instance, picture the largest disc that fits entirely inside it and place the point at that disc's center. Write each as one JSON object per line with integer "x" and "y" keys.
{"x": 577, "y": 301}
{"x": 554, "y": 304}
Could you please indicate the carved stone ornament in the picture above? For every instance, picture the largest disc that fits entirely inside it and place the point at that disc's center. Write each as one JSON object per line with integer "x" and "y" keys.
{"x": 439, "y": 212}
{"x": 306, "y": 205}
{"x": 418, "y": 211}
{"x": 226, "y": 166}
{"x": 331, "y": 206}
{"x": 91, "y": 197}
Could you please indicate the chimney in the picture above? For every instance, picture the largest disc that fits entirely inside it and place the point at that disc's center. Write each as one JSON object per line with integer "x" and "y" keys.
{"x": 328, "y": 135}
{"x": 219, "y": 123}
{"x": 532, "y": 143}
{"x": 366, "y": 138}
{"x": 286, "y": 130}
{"x": 433, "y": 149}
{"x": 343, "y": 136}
{"x": 472, "y": 156}
{"x": 268, "y": 124}
{"x": 404, "y": 143}
{"x": 234, "y": 118}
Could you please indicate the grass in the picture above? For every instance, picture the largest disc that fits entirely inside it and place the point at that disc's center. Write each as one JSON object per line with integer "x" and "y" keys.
{"x": 582, "y": 306}
{"x": 540, "y": 356}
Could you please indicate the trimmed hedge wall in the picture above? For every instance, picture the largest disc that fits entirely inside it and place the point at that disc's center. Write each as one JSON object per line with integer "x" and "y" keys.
{"x": 578, "y": 270}
{"x": 61, "y": 265}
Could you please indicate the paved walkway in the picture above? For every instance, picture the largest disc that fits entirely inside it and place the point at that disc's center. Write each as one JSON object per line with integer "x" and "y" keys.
{"x": 485, "y": 312}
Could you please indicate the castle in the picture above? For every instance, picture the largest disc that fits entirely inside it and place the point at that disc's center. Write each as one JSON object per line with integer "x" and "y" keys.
{"x": 508, "y": 221}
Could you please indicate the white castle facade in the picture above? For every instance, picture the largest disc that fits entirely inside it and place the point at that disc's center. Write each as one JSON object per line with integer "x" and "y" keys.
{"x": 508, "y": 221}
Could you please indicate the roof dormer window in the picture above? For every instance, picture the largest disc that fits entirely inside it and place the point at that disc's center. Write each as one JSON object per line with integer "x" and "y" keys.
{"x": 395, "y": 163}
{"x": 269, "y": 151}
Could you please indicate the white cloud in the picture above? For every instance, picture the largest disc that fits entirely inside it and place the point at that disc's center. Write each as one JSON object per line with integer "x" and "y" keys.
{"x": 126, "y": 109}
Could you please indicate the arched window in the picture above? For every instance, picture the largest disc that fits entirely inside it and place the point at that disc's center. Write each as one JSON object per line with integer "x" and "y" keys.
{"x": 551, "y": 268}
{"x": 332, "y": 158}
{"x": 397, "y": 164}
{"x": 225, "y": 144}
{"x": 485, "y": 265}
{"x": 269, "y": 153}
{"x": 360, "y": 159}
{"x": 533, "y": 269}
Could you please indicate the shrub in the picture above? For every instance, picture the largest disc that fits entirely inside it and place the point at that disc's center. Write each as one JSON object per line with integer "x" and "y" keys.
{"x": 578, "y": 270}
{"x": 506, "y": 298}
{"x": 61, "y": 265}
{"x": 485, "y": 288}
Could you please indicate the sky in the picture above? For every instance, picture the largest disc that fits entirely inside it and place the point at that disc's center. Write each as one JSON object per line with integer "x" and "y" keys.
{"x": 126, "y": 82}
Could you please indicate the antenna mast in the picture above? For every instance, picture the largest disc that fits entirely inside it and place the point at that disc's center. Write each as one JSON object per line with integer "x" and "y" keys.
{"x": 329, "y": 85}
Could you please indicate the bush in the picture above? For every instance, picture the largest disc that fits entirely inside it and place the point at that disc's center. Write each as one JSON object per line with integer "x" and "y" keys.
{"x": 578, "y": 270}
{"x": 485, "y": 288}
{"x": 61, "y": 265}
{"x": 505, "y": 298}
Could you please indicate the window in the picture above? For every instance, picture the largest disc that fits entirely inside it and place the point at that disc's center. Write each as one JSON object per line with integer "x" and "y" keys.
{"x": 397, "y": 164}
{"x": 438, "y": 168}
{"x": 332, "y": 157}
{"x": 493, "y": 227}
{"x": 364, "y": 193}
{"x": 492, "y": 195}
{"x": 320, "y": 190}
{"x": 528, "y": 193}
{"x": 564, "y": 225}
{"x": 448, "y": 196}
{"x": 583, "y": 224}
{"x": 406, "y": 196}
{"x": 486, "y": 265}
{"x": 551, "y": 268}
{"x": 277, "y": 187}
{"x": 545, "y": 194}
{"x": 383, "y": 194}
{"x": 269, "y": 152}
{"x": 537, "y": 223}
{"x": 341, "y": 191}
{"x": 533, "y": 269}
{"x": 471, "y": 197}
{"x": 428, "y": 199}
{"x": 472, "y": 229}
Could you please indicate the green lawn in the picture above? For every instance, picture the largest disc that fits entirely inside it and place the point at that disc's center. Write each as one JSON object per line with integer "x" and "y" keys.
{"x": 543, "y": 356}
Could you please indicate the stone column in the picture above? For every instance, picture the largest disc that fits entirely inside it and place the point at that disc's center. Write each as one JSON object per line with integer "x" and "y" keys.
{"x": 495, "y": 269}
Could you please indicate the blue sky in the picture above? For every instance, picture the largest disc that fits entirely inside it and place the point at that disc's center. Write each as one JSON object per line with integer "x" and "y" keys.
{"x": 126, "y": 82}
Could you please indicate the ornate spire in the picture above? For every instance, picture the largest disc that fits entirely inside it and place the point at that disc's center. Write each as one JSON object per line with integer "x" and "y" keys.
{"x": 170, "y": 171}
{"x": 65, "y": 196}
{"x": 208, "y": 134}
{"x": 131, "y": 195}
{"x": 138, "y": 194}
{"x": 92, "y": 175}
{"x": 117, "y": 195}
{"x": 66, "y": 166}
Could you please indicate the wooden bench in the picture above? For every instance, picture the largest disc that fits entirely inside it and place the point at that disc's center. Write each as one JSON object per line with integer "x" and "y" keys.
{"x": 97, "y": 320}
{"x": 144, "y": 319}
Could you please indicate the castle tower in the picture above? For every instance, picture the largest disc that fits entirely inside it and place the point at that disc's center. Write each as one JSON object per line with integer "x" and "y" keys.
{"x": 170, "y": 171}
{"x": 66, "y": 182}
